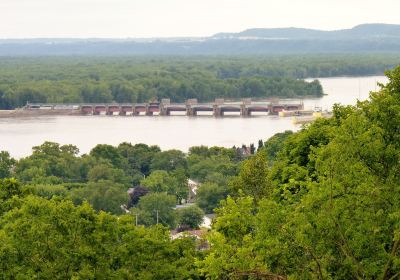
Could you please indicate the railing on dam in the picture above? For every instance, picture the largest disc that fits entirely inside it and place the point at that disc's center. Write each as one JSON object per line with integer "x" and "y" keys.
{"x": 191, "y": 107}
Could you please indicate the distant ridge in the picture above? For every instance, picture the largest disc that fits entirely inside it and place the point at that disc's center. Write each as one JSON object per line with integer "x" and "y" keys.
{"x": 364, "y": 38}
{"x": 362, "y": 31}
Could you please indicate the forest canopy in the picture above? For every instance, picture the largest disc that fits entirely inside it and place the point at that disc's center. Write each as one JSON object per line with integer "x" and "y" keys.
{"x": 140, "y": 79}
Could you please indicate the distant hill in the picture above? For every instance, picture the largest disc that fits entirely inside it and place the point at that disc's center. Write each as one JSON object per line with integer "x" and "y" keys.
{"x": 365, "y": 38}
{"x": 363, "y": 32}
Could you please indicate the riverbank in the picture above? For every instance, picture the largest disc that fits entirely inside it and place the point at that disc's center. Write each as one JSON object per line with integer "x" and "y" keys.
{"x": 21, "y": 113}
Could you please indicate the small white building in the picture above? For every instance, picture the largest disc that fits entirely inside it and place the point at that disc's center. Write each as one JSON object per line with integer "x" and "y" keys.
{"x": 193, "y": 186}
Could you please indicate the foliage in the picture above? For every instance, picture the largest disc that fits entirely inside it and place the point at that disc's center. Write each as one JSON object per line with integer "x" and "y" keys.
{"x": 48, "y": 239}
{"x": 231, "y": 247}
{"x": 7, "y": 163}
{"x": 343, "y": 220}
{"x": 168, "y": 161}
{"x": 253, "y": 178}
{"x": 275, "y": 144}
{"x": 48, "y": 191}
{"x": 189, "y": 217}
{"x": 50, "y": 162}
{"x": 160, "y": 181}
{"x": 157, "y": 208}
{"x": 201, "y": 167}
{"x": 173, "y": 184}
{"x": 206, "y": 152}
{"x": 181, "y": 190}
{"x": 209, "y": 195}
{"x": 213, "y": 167}
{"x": 105, "y": 171}
{"x": 60, "y": 166}
{"x": 103, "y": 196}
{"x": 139, "y": 156}
{"x": 10, "y": 189}
{"x": 140, "y": 79}
{"x": 110, "y": 153}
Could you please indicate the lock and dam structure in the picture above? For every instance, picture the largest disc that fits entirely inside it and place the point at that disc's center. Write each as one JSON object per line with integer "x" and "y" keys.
{"x": 165, "y": 108}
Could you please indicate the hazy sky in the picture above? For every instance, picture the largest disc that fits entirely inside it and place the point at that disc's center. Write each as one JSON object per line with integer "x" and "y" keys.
{"x": 162, "y": 18}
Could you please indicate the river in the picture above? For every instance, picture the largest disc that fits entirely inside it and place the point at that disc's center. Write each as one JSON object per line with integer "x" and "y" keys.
{"x": 19, "y": 135}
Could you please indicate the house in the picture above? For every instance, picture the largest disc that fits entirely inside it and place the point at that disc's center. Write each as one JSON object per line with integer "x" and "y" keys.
{"x": 193, "y": 186}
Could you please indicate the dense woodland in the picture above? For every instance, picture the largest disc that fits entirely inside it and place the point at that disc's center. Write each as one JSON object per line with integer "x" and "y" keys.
{"x": 140, "y": 79}
{"x": 322, "y": 203}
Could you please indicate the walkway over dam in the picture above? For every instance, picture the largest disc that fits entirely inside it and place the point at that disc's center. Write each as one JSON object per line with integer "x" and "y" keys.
{"x": 164, "y": 108}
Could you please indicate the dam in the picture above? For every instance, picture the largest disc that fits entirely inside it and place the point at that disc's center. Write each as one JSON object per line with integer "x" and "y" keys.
{"x": 164, "y": 108}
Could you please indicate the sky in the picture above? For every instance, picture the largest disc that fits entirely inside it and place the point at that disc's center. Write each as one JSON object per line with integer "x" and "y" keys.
{"x": 180, "y": 18}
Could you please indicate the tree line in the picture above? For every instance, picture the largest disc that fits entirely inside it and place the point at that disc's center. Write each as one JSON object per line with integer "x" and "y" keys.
{"x": 140, "y": 79}
{"x": 158, "y": 179}
{"x": 321, "y": 203}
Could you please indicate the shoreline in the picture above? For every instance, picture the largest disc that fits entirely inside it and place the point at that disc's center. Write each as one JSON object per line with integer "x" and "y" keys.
{"x": 21, "y": 113}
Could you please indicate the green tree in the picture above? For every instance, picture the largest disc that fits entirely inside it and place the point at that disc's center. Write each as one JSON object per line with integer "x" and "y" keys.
{"x": 102, "y": 195}
{"x": 48, "y": 191}
{"x": 173, "y": 184}
{"x": 157, "y": 208}
{"x": 209, "y": 195}
{"x": 345, "y": 225}
{"x": 182, "y": 187}
{"x": 189, "y": 217}
{"x": 200, "y": 167}
{"x": 253, "y": 178}
{"x": 160, "y": 181}
{"x": 232, "y": 251}
{"x": 50, "y": 162}
{"x": 51, "y": 238}
{"x": 139, "y": 156}
{"x": 10, "y": 189}
{"x": 105, "y": 171}
{"x": 168, "y": 161}
{"x": 110, "y": 153}
{"x": 6, "y": 164}
{"x": 275, "y": 144}
{"x": 260, "y": 144}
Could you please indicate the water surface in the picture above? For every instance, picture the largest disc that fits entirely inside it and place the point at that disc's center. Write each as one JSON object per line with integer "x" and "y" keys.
{"x": 19, "y": 135}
